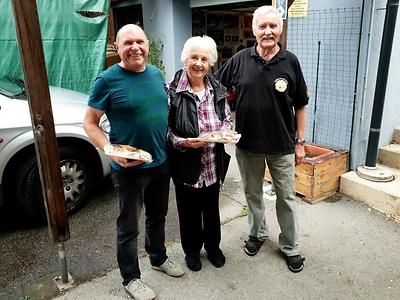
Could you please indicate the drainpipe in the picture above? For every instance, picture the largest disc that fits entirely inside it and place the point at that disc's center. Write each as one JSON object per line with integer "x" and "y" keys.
{"x": 369, "y": 170}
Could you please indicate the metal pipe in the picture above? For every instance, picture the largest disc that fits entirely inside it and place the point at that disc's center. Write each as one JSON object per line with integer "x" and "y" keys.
{"x": 381, "y": 81}
{"x": 63, "y": 262}
{"x": 316, "y": 93}
{"x": 353, "y": 116}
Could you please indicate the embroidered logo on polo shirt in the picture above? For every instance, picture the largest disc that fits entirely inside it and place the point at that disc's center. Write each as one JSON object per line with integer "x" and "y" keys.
{"x": 281, "y": 84}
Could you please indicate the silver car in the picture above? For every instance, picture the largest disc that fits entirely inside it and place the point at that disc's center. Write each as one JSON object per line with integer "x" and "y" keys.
{"x": 82, "y": 164}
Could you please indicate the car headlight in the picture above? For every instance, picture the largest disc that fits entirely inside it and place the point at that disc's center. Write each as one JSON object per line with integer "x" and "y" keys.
{"x": 105, "y": 126}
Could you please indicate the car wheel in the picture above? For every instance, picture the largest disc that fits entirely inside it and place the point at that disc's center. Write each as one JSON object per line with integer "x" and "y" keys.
{"x": 77, "y": 177}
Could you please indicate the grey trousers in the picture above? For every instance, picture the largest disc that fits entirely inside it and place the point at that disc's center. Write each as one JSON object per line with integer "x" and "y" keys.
{"x": 281, "y": 167}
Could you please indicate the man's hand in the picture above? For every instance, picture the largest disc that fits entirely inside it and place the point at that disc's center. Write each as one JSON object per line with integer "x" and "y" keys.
{"x": 125, "y": 162}
{"x": 300, "y": 153}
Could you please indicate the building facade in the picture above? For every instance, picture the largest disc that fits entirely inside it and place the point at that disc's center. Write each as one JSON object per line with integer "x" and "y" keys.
{"x": 338, "y": 44}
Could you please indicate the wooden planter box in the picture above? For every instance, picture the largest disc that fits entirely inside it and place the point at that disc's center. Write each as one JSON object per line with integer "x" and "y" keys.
{"x": 319, "y": 176}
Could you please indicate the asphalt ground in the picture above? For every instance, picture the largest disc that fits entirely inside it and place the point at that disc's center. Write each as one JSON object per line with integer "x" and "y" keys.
{"x": 29, "y": 257}
{"x": 351, "y": 251}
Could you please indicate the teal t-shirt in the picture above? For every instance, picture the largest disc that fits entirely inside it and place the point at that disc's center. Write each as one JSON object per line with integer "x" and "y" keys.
{"x": 136, "y": 104}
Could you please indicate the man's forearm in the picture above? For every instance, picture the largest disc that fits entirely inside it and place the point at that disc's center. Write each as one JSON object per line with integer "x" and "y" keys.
{"x": 300, "y": 115}
{"x": 97, "y": 136}
{"x": 91, "y": 126}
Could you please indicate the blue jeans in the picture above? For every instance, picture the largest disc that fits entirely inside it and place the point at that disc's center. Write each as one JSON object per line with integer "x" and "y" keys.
{"x": 135, "y": 188}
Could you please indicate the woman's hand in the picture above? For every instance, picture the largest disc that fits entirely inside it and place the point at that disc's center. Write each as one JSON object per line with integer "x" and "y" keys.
{"x": 193, "y": 144}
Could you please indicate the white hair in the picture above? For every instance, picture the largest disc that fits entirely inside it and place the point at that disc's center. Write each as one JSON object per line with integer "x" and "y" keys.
{"x": 203, "y": 43}
{"x": 265, "y": 11}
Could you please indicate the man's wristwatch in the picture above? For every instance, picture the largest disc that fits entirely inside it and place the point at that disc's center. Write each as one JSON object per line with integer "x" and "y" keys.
{"x": 300, "y": 141}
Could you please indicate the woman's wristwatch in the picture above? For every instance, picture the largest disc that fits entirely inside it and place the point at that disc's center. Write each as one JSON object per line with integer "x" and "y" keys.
{"x": 300, "y": 141}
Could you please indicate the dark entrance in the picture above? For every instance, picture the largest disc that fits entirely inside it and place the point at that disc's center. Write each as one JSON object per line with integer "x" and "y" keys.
{"x": 228, "y": 24}
{"x": 126, "y": 13}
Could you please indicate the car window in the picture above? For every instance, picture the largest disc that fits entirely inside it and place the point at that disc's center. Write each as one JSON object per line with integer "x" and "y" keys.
{"x": 12, "y": 87}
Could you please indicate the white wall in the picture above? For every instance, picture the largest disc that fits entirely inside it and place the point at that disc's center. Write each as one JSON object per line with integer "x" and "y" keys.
{"x": 182, "y": 30}
{"x": 318, "y": 4}
{"x": 391, "y": 113}
{"x": 171, "y": 22}
{"x": 157, "y": 21}
{"x": 369, "y": 59}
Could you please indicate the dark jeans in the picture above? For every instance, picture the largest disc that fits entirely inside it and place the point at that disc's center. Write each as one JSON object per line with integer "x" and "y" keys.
{"x": 135, "y": 188}
{"x": 199, "y": 221}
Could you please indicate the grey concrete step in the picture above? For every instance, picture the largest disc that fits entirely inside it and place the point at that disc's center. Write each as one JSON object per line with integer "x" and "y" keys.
{"x": 389, "y": 155}
{"x": 396, "y": 135}
{"x": 382, "y": 196}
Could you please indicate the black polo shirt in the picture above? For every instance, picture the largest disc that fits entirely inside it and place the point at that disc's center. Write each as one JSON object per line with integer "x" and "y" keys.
{"x": 267, "y": 95}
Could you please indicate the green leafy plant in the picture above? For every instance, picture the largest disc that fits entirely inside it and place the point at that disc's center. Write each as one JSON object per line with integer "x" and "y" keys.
{"x": 244, "y": 210}
{"x": 156, "y": 47}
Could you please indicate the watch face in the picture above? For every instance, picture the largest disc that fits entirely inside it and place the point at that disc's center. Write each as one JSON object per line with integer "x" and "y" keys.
{"x": 300, "y": 141}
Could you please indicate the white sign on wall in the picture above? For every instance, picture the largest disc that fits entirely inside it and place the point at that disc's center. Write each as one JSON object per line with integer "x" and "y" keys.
{"x": 281, "y": 6}
{"x": 299, "y": 9}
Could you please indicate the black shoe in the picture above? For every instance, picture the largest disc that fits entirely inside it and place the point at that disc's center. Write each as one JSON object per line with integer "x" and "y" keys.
{"x": 294, "y": 263}
{"x": 193, "y": 262}
{"x": 252, "y": 246}
{"x": 217, "y": 258}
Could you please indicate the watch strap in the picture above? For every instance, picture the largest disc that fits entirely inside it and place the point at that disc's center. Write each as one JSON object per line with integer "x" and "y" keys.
{"x": 300, "y": 141}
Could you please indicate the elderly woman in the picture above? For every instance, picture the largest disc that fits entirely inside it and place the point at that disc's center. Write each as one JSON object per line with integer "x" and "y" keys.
{"x": 198, "y": 105}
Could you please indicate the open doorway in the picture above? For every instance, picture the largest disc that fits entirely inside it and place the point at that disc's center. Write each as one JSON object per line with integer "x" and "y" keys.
{"x": 228, "y": 24}
{"x": 129, "y": 14}
{"x": 122, "y": 12}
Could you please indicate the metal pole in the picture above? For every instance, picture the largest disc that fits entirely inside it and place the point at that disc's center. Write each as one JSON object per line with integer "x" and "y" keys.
{"x": 381, "y": 81}
{"x": 316, "y": 93}
{"x": 63, "y": 262}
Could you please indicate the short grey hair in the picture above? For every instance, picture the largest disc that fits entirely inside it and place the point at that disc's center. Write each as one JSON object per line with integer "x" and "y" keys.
{"x": 265, "y": 11}
{"x": 203, "y": 43}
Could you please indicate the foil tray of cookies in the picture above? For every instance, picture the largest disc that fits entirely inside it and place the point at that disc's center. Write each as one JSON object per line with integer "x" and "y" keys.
{"x": 220, "y": 136}
{"x": 128, "y": 152}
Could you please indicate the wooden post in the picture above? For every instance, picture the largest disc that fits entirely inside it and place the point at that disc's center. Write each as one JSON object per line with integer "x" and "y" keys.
{"x": 283, "y": 39}
{"x": 37, "y": 90}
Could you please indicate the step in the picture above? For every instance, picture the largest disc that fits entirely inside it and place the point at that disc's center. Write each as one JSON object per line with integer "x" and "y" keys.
{"x": 396, "y": 135}
{"x": 382, "y": 196}
{"x": 389, "y": 155}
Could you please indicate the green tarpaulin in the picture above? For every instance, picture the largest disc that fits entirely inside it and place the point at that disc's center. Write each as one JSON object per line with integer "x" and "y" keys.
{"x": 74, "y": 35}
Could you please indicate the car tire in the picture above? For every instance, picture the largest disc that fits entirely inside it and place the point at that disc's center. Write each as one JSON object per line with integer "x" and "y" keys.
{"x": 77, "y": 176}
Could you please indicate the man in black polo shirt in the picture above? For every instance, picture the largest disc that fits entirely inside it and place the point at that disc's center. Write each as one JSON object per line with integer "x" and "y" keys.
{"x": 271, "y": 116}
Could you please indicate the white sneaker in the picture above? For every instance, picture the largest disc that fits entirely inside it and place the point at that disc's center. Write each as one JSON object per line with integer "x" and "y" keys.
{"x": 139, "y": 290}
{"x": 171, "y": 268}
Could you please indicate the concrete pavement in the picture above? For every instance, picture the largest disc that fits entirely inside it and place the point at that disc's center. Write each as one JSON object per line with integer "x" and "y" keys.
{"x": 351, "y": 251}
